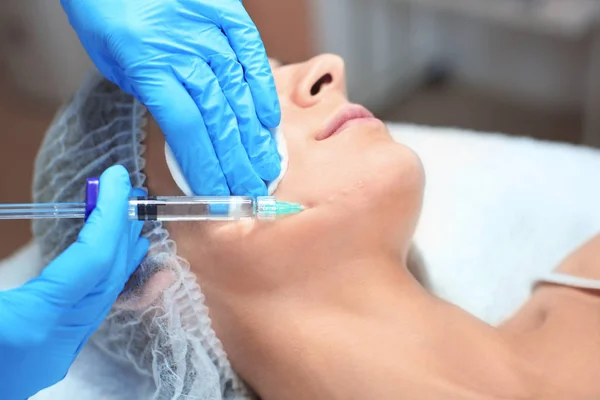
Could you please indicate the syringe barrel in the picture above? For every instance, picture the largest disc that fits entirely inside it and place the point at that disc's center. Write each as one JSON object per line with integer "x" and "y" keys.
{"x": 192, "y": 208}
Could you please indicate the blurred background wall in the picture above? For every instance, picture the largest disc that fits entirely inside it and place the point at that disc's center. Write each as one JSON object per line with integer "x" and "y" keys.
{"x": 520, "y": 67}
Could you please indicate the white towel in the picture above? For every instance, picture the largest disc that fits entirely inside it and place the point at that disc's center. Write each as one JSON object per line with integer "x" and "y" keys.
{"x": 500, "y": 212}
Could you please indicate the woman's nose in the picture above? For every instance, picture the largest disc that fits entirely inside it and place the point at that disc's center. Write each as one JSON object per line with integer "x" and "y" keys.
{"x": 322, "y": 75}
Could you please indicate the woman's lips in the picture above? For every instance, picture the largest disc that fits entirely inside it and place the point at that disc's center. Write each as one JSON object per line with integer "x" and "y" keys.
{"x": 339, "y": 121}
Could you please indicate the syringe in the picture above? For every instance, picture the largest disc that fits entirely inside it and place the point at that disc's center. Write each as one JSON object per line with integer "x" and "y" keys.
{"x": 164, "y": 208}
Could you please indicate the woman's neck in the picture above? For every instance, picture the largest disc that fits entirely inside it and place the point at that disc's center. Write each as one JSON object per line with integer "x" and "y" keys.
{"x": 380, "y": 335}
{"x": 325, "y": 319}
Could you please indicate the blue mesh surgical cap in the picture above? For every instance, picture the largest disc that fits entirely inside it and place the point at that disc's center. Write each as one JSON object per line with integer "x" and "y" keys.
{"x": 164, "y": 334}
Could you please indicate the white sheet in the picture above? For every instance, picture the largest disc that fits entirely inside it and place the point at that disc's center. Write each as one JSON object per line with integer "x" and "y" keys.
{"x": 498, "y": 211}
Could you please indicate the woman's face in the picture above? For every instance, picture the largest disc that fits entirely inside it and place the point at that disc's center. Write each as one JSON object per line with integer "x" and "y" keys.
{"x": 352, "y": 171}
{"x": 362, "y": 190}
{"x": 354, "y": 180}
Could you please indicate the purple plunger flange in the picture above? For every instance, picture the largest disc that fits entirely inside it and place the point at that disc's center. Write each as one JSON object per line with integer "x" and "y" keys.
{"x": 92, "y": 188}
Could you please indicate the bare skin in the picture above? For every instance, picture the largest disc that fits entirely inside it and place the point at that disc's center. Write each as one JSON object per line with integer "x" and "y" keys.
{"x": 558, "y": 329}
{"x": 321, "y": 305}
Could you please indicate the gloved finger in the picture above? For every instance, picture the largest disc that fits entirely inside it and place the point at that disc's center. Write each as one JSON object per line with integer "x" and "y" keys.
{"x": 66, "y": 5}
{"x": 142, "y": 245}
{"x": 223, "y": 128}
{"x": 135, "y": 245}
{"x": 87, "y": 262}
{"x": 138, "y": 192}
{"x": 257, "y": 140}
{"x": 109, "y": 218}
{"x": 93, "y": 324}
{"x": 107, "y": 67}
{"x": 248, "y": 46}
{"x": 114, "y": 73}
{"x": 94, "y": 306}
{"x": 183, "y": 126}
{"x": 136, "y": 226}
{"x": 91, "y": 310}
{"x": 135, "y": 231}
{"x": 92, "y": 328}
{"x": 130, "y": 257}
{"x": 270, "y": 165}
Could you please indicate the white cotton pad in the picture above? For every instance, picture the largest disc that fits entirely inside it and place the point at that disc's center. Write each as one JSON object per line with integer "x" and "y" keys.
{"x": 284, "y": 154}
{"x": 183, "y": 185}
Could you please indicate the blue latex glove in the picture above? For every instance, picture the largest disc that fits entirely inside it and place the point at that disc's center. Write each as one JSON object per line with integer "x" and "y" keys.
{"x": 45, "y": 323}
{"x": 201, "y": 69}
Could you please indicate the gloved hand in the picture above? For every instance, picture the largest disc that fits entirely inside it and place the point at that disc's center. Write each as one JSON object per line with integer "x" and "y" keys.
{"x": 45, "y": 323}
{"x": 201, "y": 69}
